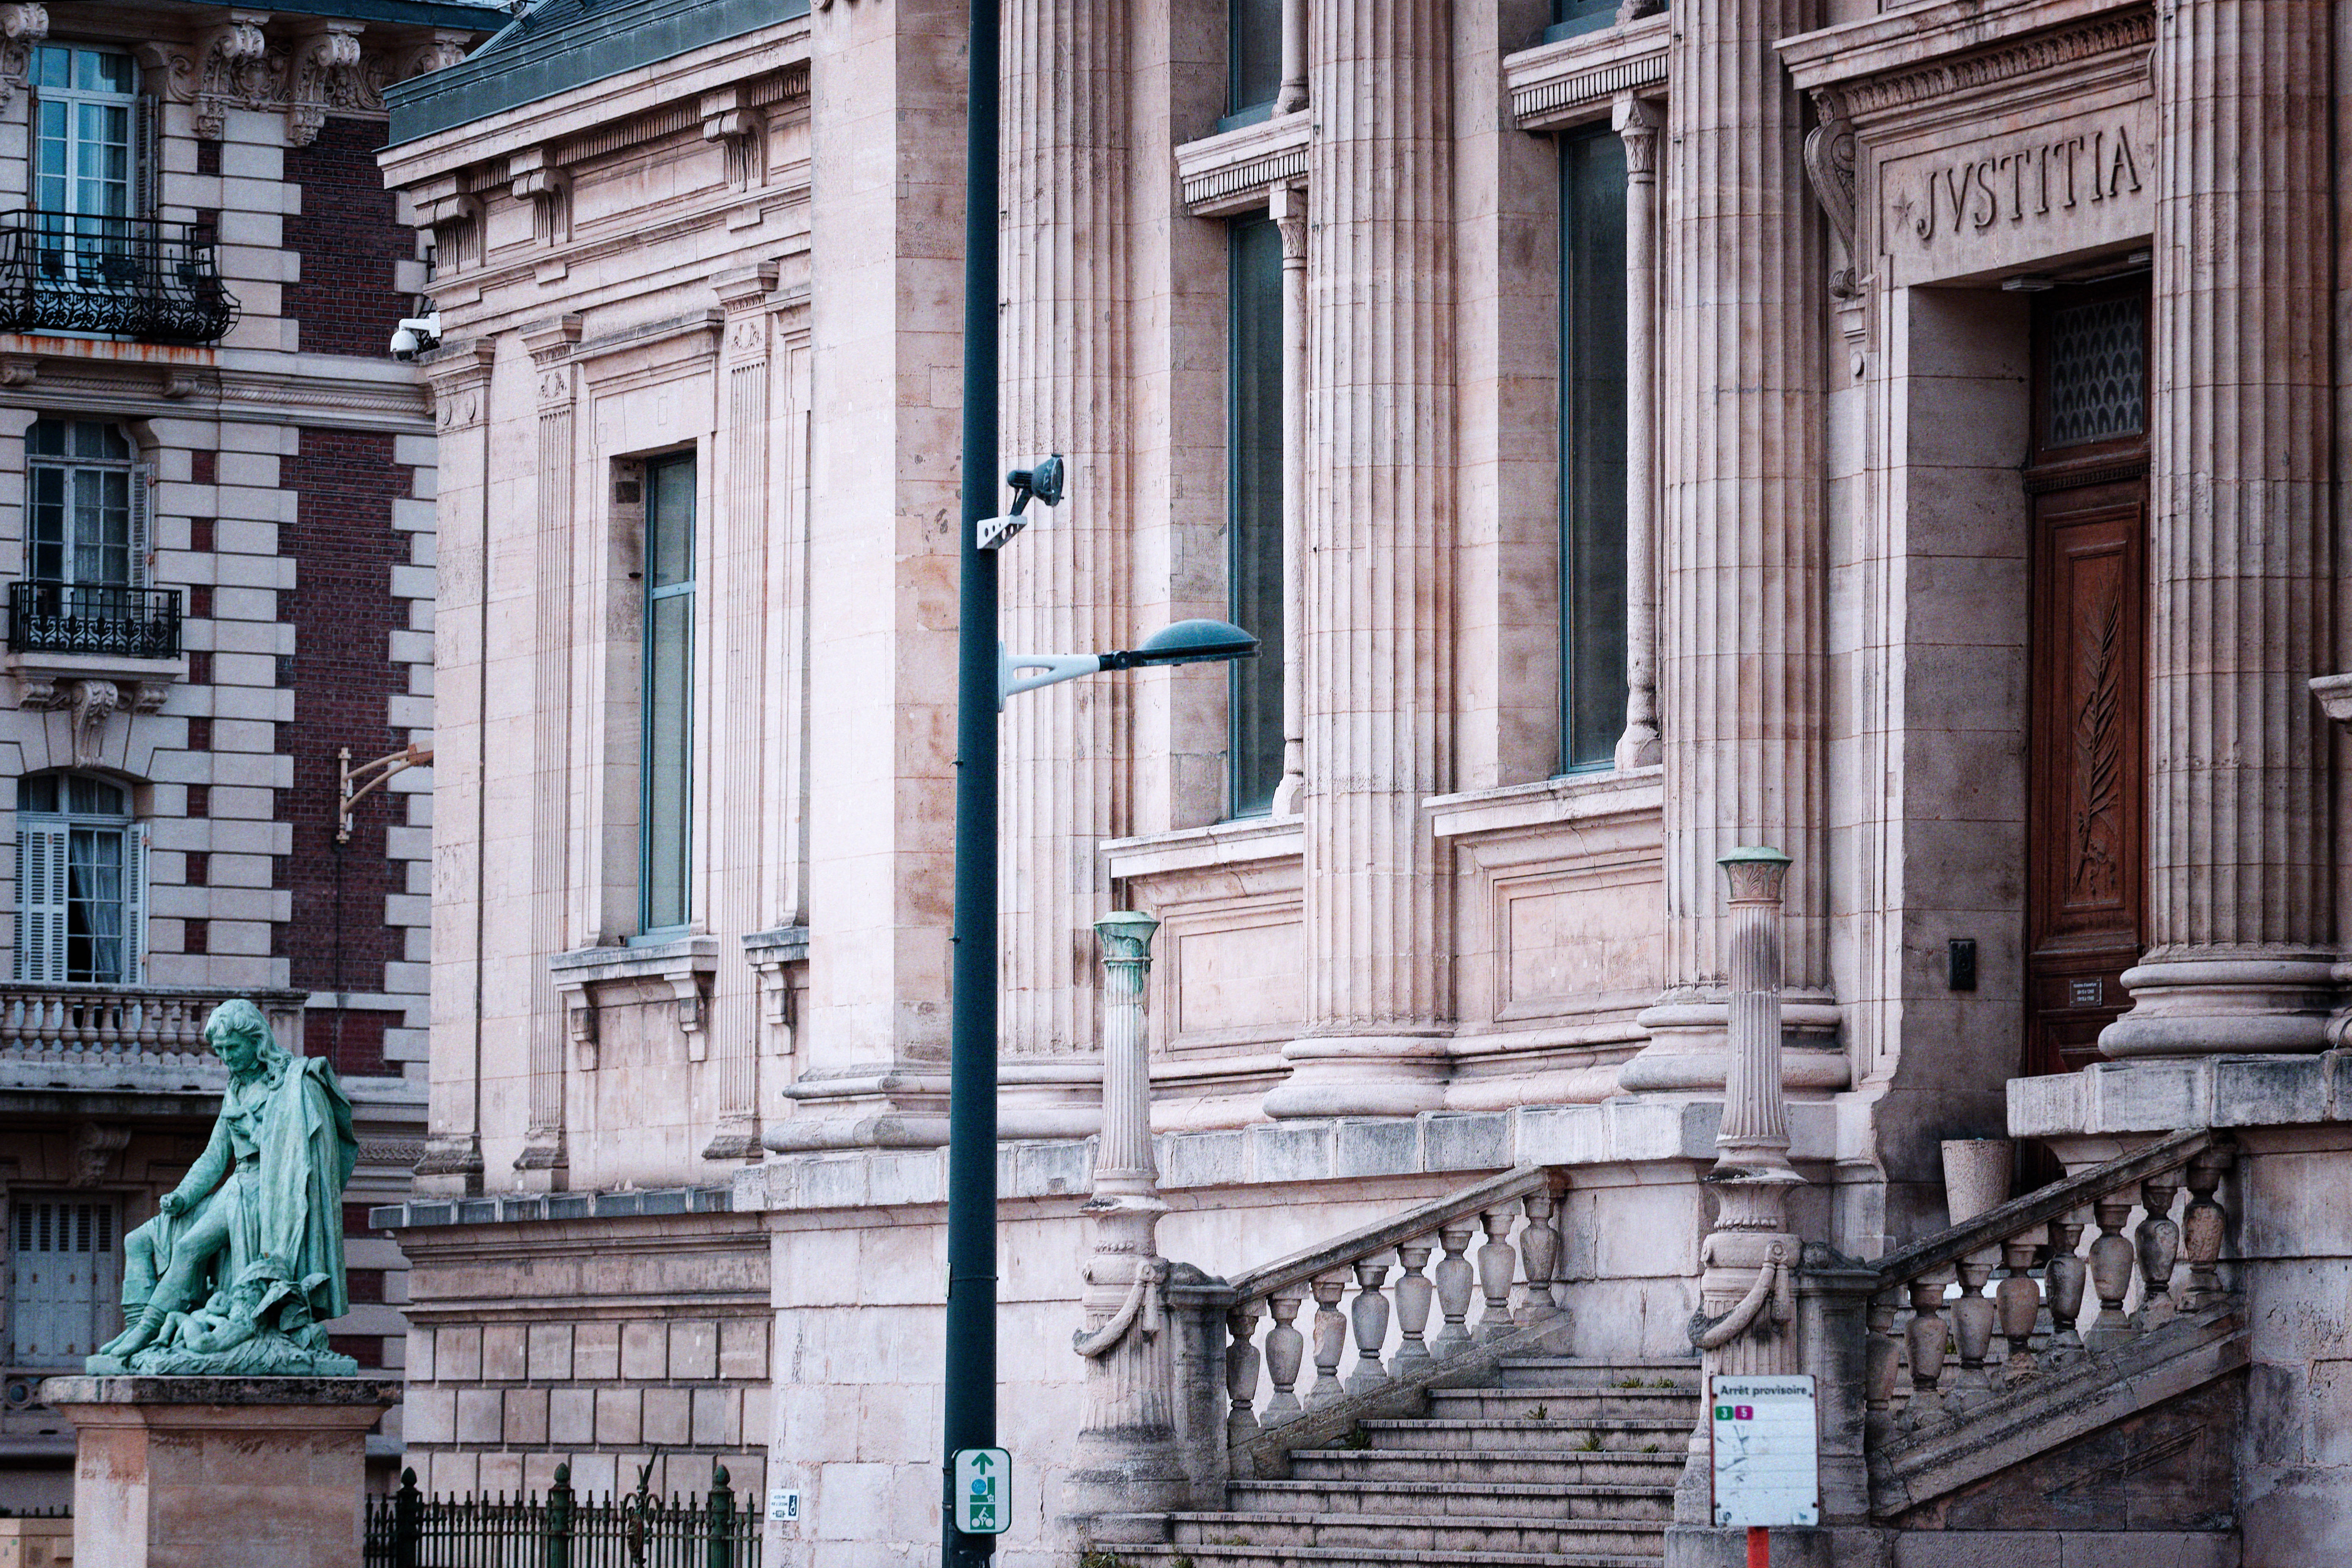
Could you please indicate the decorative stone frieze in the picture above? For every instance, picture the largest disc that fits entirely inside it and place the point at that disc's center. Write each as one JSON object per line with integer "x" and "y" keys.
{"x": 2240, "y": 898}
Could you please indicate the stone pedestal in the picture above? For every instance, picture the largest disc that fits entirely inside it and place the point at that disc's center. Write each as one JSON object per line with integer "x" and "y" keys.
{"x": 196, "y": 1472}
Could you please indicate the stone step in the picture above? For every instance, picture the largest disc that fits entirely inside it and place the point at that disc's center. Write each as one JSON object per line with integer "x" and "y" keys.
{"x": 1570, "y": 1372}
{"x": 1423, "y": 1533}
{"x": 1663, "y": 1434}
{"x": 1202, "y": 1554}
{"x": 1517, "y": 1499}
{"x": 1473, "y": 1466}
{"x": 1563, "y": 1405}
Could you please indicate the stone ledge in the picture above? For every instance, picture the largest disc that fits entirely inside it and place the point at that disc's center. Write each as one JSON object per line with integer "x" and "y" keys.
{"x": 134, "y": 1389}
{"x": 509, "y": 1208}
{"x": 2167, "y": 1096}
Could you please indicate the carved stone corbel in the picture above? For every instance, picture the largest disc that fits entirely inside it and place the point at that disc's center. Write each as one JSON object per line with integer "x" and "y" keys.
{"x": 22, "y": 26}
{"x": 455, "y": 217}
{"x": 443, "y": 49}
{"x": 580, "y": 1026}
{"x": 1829, "y": 159}
{"x": 18, "y": 370}
{"x": 319, "y": 60}
{"x": 727, "y": 118}
{"x": 548, "y": 188}
{"x": 93, "y": 703}
{"x": 208, "y": 77}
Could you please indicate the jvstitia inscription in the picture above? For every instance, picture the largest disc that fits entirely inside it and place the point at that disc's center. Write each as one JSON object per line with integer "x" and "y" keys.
{"x": 244, "y": 1266}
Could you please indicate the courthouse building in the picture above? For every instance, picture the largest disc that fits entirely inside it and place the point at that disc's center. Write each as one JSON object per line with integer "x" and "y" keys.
{"x": 1903, "y": 438}
{"x": 217, "y": 523}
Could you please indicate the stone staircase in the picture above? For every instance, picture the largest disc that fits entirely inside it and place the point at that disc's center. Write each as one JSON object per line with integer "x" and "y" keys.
{"x": 1552, "y": 1463}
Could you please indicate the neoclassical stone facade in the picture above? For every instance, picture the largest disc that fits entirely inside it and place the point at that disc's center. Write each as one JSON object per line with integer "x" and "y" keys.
{"x": 1898, "y": 438}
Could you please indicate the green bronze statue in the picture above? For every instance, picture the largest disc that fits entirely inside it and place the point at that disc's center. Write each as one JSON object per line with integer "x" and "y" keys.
{"x": 244, "y": 1263}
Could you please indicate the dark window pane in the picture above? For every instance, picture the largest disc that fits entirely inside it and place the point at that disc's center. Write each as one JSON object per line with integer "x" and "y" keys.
{"x": 1254, "y": 67}
{"x": 1254, "y": 513}
{"x": 1592, "y": 447}
{"x": 667, "y": 844}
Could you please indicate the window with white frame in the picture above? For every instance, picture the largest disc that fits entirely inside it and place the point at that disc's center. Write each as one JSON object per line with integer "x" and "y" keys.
{"x": 91, "y": 128}
{"x": 81, "y": 874}
{"x": 86, "y": 505}
{"x": 666, "y": 839}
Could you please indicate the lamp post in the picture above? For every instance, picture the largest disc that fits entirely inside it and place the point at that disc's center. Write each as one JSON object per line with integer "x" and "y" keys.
{"x": 985, "y": 677}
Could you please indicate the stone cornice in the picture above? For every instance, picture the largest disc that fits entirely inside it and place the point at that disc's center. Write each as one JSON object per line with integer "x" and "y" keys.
{"x": 1574, "y": 80}
{"x": 312, "y": 67}
{"x": 1231, "y": 172}
{"x": 1926, "y": 54}
{"x": 139, "y": 388}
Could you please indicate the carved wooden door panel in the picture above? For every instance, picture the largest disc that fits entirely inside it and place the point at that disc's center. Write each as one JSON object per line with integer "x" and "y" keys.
{"x": 2086, "y": 859}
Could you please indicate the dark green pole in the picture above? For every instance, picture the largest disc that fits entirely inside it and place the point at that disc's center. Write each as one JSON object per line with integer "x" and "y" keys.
{"x": 970, "y": 1371}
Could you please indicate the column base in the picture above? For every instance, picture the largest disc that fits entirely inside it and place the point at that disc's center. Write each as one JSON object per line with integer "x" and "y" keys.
{"x": 2193, "y": 1002}
{"x": 452, "y": 1166}
{"x": 1049, "y": 1097}
{"x": 1361, "y": 1075}
{"x": 543, "y": 1166}
{"x": 196, "y": 1472}
{"x": 1690, "y": 1047}
{"x": 879, "y": 1105}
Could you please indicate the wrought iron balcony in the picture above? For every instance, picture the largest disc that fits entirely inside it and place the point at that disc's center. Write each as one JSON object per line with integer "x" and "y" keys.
{"x": 134, "y": 277}
{"x": 71, "y": 617}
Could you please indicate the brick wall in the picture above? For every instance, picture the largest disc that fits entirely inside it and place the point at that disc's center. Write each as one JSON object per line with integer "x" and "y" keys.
{"x": 346, "y": 303}
{"x": 344, "y": 681}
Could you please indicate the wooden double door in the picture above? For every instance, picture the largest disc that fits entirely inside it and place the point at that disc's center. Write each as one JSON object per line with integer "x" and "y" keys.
{"x": 2087, "y": 839}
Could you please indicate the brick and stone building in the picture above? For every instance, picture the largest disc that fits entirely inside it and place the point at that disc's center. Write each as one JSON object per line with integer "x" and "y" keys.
{"x": 1903, "y": 438}
{"x": 216, "y": 521}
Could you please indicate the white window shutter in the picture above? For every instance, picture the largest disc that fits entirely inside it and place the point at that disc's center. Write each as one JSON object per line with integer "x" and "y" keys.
{"x": 142, "y": 535}
{"x": 40, "y": 901}
{"x": 134, "y": 905}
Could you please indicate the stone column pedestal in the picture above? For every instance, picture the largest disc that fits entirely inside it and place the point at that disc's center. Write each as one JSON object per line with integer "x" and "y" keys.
{"x": 197, "y": 1472}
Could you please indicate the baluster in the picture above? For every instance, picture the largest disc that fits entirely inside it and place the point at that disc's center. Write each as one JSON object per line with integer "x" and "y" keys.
{"x": 1241, "y": 1372}
{"x": 2020, "y": 1300}
{"x": 1370, "y": 1311}
{"x": 1539, "y": 1252}
{"x": 1496, "y": 1266}
{"x": 2202, "y": 1224}
{"x": 53, "y": 1020}
{"x": 2157, "y": 1247}
{"x": 1454, "y": 1281}
{"x": 1413, "y": 1292}
{"x": 1883, "y": 1367}
{"x": 1973, "y": 1315}
{"x": 2062, "y": 1280}
{"x": 1925, "y": 1339}
{"x": 1286, "y": 1348}
{"x": 149, "y": 1036}
{"x": 2111, "y": 1272}
{"x": 12, "y": 1023}
{"x": 1330, "y": 1339}
{"x": 106, "y": 1018}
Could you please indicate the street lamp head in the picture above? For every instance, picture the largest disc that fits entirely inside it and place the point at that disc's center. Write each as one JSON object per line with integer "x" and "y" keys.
{"x": 1042, "y": 479}
{"x": 1187, "y": 642}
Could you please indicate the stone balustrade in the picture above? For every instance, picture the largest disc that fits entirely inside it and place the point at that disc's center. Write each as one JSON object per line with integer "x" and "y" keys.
{"x": 1393, "y": 1306}
{"x": 1937, "y": 1310}
{"x": 101, "y": 1026}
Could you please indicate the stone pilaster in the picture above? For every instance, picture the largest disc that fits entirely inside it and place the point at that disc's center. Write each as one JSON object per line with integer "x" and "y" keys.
{"x": 2240, "y": 896}
{"x": 460, "y": 378}
{"x": 1065, "y": 389}
{"x": 1743, "y": 672}
{"x": 739, "y": 576}
{"x": 1289, "y": 212}
{"x": 886, "y": 237}
{"x": 542, "y": 1161}
{"x": 1638, "y": 121}
{"x": 1379, "y": 562}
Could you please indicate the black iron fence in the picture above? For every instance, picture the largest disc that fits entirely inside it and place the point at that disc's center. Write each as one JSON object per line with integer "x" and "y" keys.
{"x": 131, "y": 277}
{"x": 73, "y": 617}
{"x": 561, "y": 1530}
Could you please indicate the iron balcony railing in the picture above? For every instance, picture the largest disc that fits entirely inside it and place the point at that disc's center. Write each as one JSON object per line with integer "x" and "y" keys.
{"x": 133, "y": 276}
{"x": 73, "y": 617}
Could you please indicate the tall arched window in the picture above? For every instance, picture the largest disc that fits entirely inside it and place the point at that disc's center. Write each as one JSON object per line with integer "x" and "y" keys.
{"x": 81, "y": 875}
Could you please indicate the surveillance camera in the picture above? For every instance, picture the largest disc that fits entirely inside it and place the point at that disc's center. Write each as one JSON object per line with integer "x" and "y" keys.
{"x": 416, "y": 335}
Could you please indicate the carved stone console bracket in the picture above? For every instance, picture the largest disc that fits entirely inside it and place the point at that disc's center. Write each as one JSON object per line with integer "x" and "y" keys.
{"x": 92, "y": 699}
{"x": 729, "y": 118}
{"x": 320, "y": 61}
{"x": 535, "y": 177}
{"x": 22, "y": 26}
{"x": 683, "y": 967}
{"x": 214, "y": 78}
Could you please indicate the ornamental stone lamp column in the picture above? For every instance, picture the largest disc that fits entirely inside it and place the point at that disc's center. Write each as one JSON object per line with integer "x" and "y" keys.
{"x": 1746, "y": 1323}
{"x": 1128, "y": 1468}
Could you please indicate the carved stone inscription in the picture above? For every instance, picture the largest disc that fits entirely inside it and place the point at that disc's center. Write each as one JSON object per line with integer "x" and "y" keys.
{"x": 2005, "y": 201}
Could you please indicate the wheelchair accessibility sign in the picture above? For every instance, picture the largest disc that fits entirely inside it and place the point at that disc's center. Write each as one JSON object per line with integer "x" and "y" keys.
{"x": 983, "y": 1491}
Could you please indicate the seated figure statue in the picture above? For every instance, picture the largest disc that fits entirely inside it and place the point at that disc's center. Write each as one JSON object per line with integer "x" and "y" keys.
{"x": 247, "y": 1251}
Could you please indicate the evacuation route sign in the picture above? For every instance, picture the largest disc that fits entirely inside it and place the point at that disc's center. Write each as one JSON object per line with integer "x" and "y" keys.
{"x": 983, "y": 1491}
{"x": 1767, "y": 1450}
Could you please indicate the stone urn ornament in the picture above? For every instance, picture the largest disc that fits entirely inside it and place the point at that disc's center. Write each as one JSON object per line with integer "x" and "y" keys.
{"x": 243, "y": 1266}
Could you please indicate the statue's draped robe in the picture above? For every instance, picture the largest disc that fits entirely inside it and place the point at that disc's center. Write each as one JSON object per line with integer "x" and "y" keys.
{"x": 279, "y": 1154}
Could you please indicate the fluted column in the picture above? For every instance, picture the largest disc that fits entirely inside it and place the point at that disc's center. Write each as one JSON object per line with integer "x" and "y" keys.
{"x": 2240, "y": 896}
{"x": 1638, "y": 121}
{"x": 1290, "y": 211}
{"x": 542, "y": 1161}
{"x": 1742, "y": 669}
{"x": 1379, "y": 562}
{"x": 1064, "y": 390}
{"x": 1126, "y": 1466}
